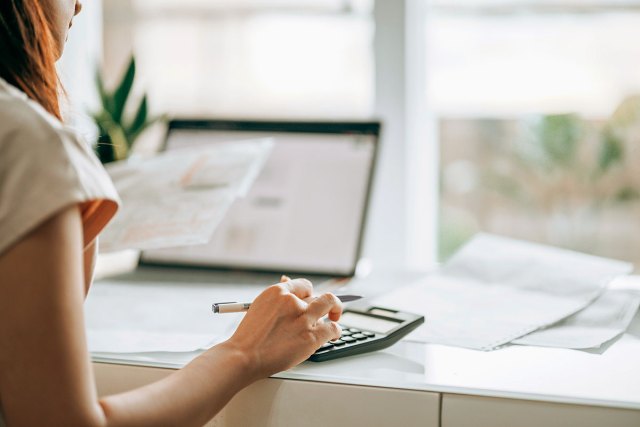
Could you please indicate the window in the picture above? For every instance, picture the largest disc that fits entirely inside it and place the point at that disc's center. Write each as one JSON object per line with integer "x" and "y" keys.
{"x": 248, "y": 58}
{"x": 525, "y": 91}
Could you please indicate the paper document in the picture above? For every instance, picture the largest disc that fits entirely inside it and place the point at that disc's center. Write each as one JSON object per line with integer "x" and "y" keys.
{"x": 179, "y": 197}
{"x": 495, "y": 290}
{"x": 134, "y": 341}
{"x": 604, "y": 319}
{"x": 138, "y": 317}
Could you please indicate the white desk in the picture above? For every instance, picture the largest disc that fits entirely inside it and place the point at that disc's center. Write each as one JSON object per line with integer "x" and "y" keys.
{"x": 427, "y": 385}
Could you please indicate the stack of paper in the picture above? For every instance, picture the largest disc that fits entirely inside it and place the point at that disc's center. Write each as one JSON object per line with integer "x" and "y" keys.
{"x": 607, "y": 317}
{"x": 496, "y": 290}
{"x": 179, "y": 197}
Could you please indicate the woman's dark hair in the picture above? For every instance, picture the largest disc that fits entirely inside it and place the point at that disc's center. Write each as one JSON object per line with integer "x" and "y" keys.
{"x": 28, "y": 52}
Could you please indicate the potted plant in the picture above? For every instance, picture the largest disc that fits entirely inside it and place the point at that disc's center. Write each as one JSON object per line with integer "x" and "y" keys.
{"x": 119, "y": 130}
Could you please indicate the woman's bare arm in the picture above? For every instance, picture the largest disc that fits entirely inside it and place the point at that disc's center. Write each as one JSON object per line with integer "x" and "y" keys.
{"x": 45, "y": 370}
{"x": 89, "y": 263}
{"x": 45, "y": 374}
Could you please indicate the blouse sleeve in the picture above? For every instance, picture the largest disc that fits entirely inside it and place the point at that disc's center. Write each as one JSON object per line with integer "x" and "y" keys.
{"x": 44, "y": 169}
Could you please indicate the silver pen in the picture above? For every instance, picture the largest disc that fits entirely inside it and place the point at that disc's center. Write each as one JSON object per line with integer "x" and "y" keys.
{"x": 239, "y": 307}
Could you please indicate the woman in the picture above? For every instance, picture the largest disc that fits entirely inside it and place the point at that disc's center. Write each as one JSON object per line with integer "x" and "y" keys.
{"x": 54, "y": 200}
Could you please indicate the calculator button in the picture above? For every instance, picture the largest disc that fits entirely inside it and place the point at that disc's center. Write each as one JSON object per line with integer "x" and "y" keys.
{"x": 359, "y": 336}
{"x": 354, "y": 330}
{"x": 369, "y": 334}
{"x": 325, "y": 346}
{"x": 348, "y": 339}
{"x": 336, "y": 342}
{"x": 346, "y": 333}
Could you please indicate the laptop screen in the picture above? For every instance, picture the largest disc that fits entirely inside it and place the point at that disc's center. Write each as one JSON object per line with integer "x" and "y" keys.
{"x": 306, "y": 210}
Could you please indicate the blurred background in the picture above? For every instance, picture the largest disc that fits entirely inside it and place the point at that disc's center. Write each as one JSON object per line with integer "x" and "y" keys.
{"x": 518, "y": 117}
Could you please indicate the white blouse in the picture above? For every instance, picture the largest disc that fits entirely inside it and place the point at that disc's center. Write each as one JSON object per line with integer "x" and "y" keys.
{"x": 44, "y": 168}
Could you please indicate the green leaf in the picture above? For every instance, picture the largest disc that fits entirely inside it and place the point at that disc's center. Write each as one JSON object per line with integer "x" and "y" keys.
{"x": 103, "y": 120}
{"x": 139, "y": 120}
{"x": 123, "y": 91}
{"x": 559, "y": 137}
{"x": 611, "y": 150}
{"x": 627, "y": 194}
{"x": 504, "y": 185}
{"x": 105, "y": 98}
{"x": 119, "y": 141}
{"x": 147, "y": 124}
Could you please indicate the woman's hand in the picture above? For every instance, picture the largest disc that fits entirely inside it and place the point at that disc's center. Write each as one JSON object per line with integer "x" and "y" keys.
{"x": 281, "y": 329}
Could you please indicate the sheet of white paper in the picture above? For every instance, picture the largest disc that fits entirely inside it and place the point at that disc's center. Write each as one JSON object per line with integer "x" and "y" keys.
{"x": 123, "y": 317}
{"x": 178, "y": 198}
{"x": 604, "y": 319}
{"x": 495, "y": 290}
{"x": 132, "y": 341}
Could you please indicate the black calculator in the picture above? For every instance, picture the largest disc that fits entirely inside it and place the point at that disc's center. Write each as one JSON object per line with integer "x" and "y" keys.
{"x": 371, "y": 329}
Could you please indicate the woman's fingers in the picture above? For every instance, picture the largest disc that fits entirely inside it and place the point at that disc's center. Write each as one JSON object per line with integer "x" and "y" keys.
{"x": 301, "y": 288}
{"x": 318, "y": 306}
{"x": 282, "y": 329}
{"x": 325, "y": 304}
{"x": 327, "y": 331}
{"x": 284, "y": 278}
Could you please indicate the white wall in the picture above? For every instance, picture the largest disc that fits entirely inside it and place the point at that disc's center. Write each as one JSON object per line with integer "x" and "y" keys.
{"x": 78, "y": 64}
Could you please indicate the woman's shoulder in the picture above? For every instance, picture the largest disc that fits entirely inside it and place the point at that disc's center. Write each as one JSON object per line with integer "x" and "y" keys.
{"x": 27, "y": 129}
{"x": 32, "y": 139}
{"x": 23, "y": 120}
{"x": 45, "y": 166}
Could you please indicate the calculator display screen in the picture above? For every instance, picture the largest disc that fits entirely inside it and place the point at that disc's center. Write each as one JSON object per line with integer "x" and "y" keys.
{"x": 368, "y": 323}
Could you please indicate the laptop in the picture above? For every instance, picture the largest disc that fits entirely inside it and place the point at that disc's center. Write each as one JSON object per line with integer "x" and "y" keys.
{"x": 305, "y": 214}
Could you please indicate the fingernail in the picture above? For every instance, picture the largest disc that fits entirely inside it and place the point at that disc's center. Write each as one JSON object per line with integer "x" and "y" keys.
{"x": 284, "y": 278}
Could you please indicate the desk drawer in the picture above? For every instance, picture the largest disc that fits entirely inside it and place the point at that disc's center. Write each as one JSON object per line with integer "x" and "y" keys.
{"x": 289, "y": 403}
{"x": 475, "y": 411}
